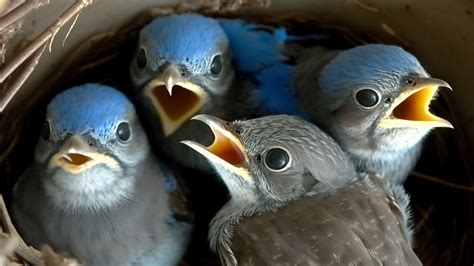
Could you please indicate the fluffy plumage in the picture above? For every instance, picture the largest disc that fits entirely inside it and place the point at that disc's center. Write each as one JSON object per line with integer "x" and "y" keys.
{"x": 185, "y": 39}
{"x": 297, "y": 199}
{"x": 189, "y": 43}
{"x": 105, "y": 110}
{"x": 97, "y": 193}
{"x": 326, "y": 83}
{"x": 375, "y": 64}
{"x": 258, "y": 54}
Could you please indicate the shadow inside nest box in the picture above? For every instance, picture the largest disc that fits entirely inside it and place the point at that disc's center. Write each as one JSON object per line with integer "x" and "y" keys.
{"x": 443, "y": 215}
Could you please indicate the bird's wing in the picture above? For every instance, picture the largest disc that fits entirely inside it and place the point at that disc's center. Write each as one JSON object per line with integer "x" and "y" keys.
{"x": 258, "y": 53}
{"x": 354, "y": 226}
{"x": 27, "y": 207}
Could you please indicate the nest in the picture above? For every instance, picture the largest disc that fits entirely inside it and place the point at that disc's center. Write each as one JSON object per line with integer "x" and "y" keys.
{"x": 441, "y": 186}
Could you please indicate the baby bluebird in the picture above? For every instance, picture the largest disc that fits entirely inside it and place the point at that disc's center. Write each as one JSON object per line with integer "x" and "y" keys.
{"x": 296, "y": 199}
{"x": 374, "y": 101}
{"x": 188, "y": 64}
{"x": 94, "y": 191}
{"x": 182, "y": 66}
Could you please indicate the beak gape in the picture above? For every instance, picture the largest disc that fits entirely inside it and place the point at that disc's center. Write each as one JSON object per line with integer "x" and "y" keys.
{"x": 226, "y": 150}
{"x": 411, "y": 108}
{"x": 76, "y": 156}
{"x": 175, "y": 99}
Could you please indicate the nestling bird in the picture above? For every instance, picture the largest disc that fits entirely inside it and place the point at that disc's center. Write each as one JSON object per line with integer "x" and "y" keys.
{"x": 374, "y": 100}
{"x": 95, "y": 191}
{"x": 182, "y": 66}
{"x": 188, "y": 64}
{"x": 297, "y": 199}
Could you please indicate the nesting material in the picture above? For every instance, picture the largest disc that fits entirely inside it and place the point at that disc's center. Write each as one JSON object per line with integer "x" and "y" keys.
{"x": 441, "y": 185}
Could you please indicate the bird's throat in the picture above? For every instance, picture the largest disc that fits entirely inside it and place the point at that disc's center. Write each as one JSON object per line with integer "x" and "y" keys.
{"x": 186, "y": 100}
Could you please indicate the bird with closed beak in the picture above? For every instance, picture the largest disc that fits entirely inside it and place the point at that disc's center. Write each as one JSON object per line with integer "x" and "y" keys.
{"x": 95, "y": 191}
{"x": 296, "y": 198}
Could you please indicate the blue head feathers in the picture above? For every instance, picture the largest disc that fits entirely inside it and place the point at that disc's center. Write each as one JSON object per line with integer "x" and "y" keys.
{"x": 368, "y": 64}
{"x": 87, "y": 109}
{"x": 187, "y": 39}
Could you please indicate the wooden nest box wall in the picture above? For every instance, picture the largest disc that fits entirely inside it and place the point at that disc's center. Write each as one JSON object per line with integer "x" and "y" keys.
{"x": 49, "y": 46}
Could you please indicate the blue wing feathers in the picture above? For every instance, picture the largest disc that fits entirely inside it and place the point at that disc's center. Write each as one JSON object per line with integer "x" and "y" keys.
{"x": 252, "y": 47}
{"x": 258, "y": 53}
{"x": 274, "y": 93}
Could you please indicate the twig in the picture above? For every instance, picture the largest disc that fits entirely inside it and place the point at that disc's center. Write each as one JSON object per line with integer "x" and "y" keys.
{"x": 16, "y": 85}
{"x": 43, "y": 38}
{"x": 442, "y": 182}
{"x": 70, "y": 28}
{"x": 365, "y": 6}
{"x": 24, "y": 251}
{"x": 9, "y": 148}
{"x": 46, "y": 35}
{"x": 8, "y": 245}
{"x": 20, "y": 12}
{"x": 425, "y": 217}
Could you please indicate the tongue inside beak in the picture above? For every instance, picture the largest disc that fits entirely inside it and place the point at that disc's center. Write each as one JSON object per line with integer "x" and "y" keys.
{"x": 226, "y": 149}
{"x": 177, "y": 105}
{"x": 75, "y": 159}
{"x": 185, "y": 100}
{"x": 414, "y": 111}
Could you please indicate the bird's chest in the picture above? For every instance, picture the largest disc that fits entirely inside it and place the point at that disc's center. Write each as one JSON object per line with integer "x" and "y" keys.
{"x": 100, "y": 239}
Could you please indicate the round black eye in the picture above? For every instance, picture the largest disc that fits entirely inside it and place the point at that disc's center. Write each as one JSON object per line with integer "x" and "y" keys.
{"x": 216, "y": 65}
{"x": 277, "y": 159}
{"x": 367, "y": 97}
{"x": 46, "y": 133}
{"x": 123, "y": 131}
{"x": 141, "y": 59}
{"x": 410, "y": 82}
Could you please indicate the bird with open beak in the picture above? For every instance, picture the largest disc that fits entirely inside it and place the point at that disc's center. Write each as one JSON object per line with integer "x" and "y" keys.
{"x": 94, "y": 191}
{"x": 296, "y": 198}
{"x": 373, "y": 100}
{"x": 182, "y": 66}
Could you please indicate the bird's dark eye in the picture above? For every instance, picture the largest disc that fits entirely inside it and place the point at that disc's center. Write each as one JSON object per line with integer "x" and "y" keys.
{"x": 367, "y": 97}
{"x": 123, "y": 132}
{"x": 216, "y": 65}
{"x": 410, "y": 82}
{"x": 46, "y": 133}
{"x": 141, "y": 59}
{"x": 277, "y": 159}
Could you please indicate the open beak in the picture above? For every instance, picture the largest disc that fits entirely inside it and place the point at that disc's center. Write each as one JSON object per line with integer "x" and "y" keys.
{"x": 411, "y": 108}
{"x": 226, "y": 150}
{"x": 76, "y": 156}
{"x": 174, "y": 98}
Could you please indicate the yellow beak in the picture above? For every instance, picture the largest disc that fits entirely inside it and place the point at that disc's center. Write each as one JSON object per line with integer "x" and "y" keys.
{"x": 76, "y": 156}
{"x": 175, "y": 99}
{"x": 411, "y": 107}
{"x": 226, "y": 150}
